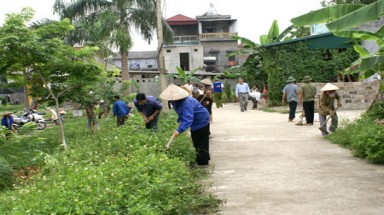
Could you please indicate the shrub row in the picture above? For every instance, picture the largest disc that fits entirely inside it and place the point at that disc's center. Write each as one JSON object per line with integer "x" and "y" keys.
{"x": 365, "y": 137}
{"x": 113, "y": 171}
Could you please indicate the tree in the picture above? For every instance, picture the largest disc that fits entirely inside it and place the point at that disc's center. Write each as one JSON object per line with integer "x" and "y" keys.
{"x": 112, "y": 21}
{"x": 53, "y": 68}
{"x": 344, "y": 20}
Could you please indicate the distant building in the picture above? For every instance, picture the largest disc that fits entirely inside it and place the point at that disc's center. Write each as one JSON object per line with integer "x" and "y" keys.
{"x": 203, "y": 42}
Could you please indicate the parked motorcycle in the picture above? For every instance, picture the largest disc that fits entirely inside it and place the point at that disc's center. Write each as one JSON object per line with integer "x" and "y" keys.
{"x": 29, "y": 116}
{"x": 54, "y": 116}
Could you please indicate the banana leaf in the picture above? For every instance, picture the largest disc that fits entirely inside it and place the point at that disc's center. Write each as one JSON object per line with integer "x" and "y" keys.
{"x": 264, "y": 39}
{"x": 371, "y": 62}
{"x": 274, "y": 31}
{"x": 359, "y": 34}
{"x": 358, "y": 17}
{"x": 360, "y": 50}
{"x": 326, "y": 14}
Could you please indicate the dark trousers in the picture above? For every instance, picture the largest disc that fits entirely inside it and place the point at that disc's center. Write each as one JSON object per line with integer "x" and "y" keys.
{"x": 292, "y": 109}
{"x": 309, "y": 110}
{"x": 121, "y": 120}
{"x": 200, "y": 139}
{"x": 153, "y": 123}
{"x": 254, "y": 101}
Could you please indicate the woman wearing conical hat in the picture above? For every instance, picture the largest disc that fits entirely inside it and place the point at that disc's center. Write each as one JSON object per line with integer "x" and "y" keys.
{"x": 327, "y": 108}
{"x": 192, "y": 115}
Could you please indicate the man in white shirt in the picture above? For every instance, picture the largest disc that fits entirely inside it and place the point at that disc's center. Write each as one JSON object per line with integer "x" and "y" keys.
{"x": 242, "y": 91}
{"x": 254, "y": 96}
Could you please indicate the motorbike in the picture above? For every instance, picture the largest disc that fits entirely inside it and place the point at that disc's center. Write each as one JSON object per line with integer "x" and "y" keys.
{"x": 54, "y": 116}
{"x": 29, "y": 116}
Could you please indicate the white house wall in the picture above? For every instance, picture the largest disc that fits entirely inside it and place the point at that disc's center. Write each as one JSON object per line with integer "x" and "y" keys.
{"x": 172, "y": 58}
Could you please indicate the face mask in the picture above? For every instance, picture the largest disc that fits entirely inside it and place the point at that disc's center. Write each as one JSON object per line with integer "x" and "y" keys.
{"x": 331, "y": 94}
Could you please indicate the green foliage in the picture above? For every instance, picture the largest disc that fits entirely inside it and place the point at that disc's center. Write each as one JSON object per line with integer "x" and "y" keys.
{"x": 6, "y": 174}
{"x": 296, "y": 60}
{"x": 3, "y": 100}
{"x": 365, "y": 137}
{"x": 122, "y": 170}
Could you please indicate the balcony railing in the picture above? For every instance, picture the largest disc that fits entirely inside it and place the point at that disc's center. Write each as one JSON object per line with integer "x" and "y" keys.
{"x": 187, "y": 39}
{"x": 217, "y": 36}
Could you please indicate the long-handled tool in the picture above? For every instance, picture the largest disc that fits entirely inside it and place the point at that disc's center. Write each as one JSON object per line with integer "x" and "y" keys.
{"x": 324, "y": 123}
{"x": 170, "y": 141}
{"x": 301, "y": 119}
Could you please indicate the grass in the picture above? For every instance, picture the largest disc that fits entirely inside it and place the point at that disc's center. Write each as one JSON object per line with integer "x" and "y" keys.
{"x": 11, "y": 108}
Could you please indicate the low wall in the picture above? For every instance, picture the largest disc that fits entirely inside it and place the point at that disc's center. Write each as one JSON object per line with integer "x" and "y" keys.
{"x": 354, "y": 95}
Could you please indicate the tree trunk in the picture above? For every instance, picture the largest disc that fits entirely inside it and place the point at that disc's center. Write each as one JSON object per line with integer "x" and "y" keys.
{"x": 160, "y": 57}
{"x": 124, "y": 67}
{"x": 63, "y": 141}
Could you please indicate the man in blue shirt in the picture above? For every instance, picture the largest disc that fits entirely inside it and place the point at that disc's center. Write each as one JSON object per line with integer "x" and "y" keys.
{"x": 149, "y": 108}
{"x": 7, "y": 121}
{"x": 192, "y": 115}
{"x": 218, "y": 93}
{"x": 120, "y": 110}
{"x": 242, "y": 91}
{"x": 290, "y": 93}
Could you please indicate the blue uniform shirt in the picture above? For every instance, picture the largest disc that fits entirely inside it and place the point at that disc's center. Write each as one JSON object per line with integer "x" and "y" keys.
{"x": 120, "y": 109}
{"x": 217, "y": 87}
{"x": 191, "y": 114}
{"x": 150, "y": 106}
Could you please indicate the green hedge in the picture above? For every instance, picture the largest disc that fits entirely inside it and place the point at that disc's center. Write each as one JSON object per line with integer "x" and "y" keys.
{"x": 365, "y": 137}
{"x": 112, "y": 171}
{"x": 296, "y": 60}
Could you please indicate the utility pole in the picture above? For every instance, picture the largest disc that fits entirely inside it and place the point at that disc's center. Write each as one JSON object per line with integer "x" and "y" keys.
{"x": 160, "y": 53}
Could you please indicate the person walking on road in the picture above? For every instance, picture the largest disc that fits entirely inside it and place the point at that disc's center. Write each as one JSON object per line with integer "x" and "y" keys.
{"x": 326, "y": 107}
{"x": 149, "y": 108}
{"x": 120, "y": 110}
{"x": 290, "y": 94}
{"x": 218, "y": 93}
{"x": 242, "y": 91}
{"x": 193, "y": 115}
{"x": 307, "y": 93}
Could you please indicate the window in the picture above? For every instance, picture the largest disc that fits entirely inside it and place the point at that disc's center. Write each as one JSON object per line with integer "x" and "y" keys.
{"x": 168, "y": 51}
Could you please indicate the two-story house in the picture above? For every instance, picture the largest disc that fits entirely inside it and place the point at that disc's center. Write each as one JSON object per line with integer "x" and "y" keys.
{"x": 203, "y": 42}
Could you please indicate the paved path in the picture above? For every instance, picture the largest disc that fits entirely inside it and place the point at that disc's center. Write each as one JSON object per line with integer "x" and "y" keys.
{"x": 261, "y": 164}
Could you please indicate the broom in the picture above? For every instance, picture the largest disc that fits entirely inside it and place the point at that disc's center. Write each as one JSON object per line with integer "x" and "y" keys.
{"x": 301, "y": 119}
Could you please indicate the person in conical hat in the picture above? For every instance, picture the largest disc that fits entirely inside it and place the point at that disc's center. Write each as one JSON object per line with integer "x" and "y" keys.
{"x": 192, "y": 115}
{"x": 290, "y": 94}
{"x": 307, "y": 93}
{"x": 327, "y": 108}
{"x": 7, "y": 121}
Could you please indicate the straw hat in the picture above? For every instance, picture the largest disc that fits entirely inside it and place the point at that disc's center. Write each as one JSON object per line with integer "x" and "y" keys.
{"x": 329, "y": 87}
{"x": 291, "y": 79}
{"x": 173, "y": 93}
{"x": 207, "y": 82}
{"x": 6, "y": 113}
{"x": 307, "y": 79}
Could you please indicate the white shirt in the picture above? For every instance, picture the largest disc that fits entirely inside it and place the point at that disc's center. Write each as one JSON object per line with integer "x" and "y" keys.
{"x": 255, "y": 95}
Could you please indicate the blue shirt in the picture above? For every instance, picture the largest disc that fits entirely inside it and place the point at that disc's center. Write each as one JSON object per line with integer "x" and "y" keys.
{"x": 242, "y": 88}
{"x": 217, "y": 87}
{"x": 120, "y": 109}
{"x": 7, "y": 122}
{"x": 191, "y": 114}
{"x": 149, "y": 107}
{"x": 290, "y": 92}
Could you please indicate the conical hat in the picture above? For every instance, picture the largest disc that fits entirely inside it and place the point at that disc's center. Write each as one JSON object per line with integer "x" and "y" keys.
{"x": 307, "y": 79}
{"x": 6, "y": 113}
{"x": 207, "y": 82}
{"x": 329, "y": 87}
{"x": 173, "y": 93}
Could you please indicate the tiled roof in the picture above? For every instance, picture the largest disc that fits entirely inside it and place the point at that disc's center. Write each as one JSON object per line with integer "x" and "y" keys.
{"x": 181, "y": 20}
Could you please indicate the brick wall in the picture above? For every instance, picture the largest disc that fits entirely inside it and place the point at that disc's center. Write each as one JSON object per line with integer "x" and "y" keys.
{"x": 354, "y": 95}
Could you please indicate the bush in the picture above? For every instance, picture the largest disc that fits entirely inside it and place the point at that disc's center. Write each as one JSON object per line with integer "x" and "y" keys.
{"x": 114, "y": 171}
{"x": 364, "y": 137}
{"x": 6, "y": 174}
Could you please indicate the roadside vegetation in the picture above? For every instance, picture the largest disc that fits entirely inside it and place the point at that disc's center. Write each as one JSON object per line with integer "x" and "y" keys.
{"x": 107, "y": 171}
{"x": 365, "y": 136}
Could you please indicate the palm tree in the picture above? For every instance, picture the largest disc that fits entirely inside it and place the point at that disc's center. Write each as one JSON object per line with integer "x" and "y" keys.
{"x": 112, "y": 21}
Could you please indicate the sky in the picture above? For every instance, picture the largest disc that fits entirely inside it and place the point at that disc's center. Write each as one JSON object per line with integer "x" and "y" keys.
{"x": 254, "y": 17}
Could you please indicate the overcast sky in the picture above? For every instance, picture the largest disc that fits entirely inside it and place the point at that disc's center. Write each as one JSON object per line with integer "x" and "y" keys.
{"x": 254, "y": 17}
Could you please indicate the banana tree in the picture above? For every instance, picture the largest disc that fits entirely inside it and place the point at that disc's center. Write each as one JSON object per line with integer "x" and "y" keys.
{"x": 344, "y": 20}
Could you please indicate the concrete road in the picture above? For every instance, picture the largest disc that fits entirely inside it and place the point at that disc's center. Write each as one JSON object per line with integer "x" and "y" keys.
{"x": 261, "y": 164}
